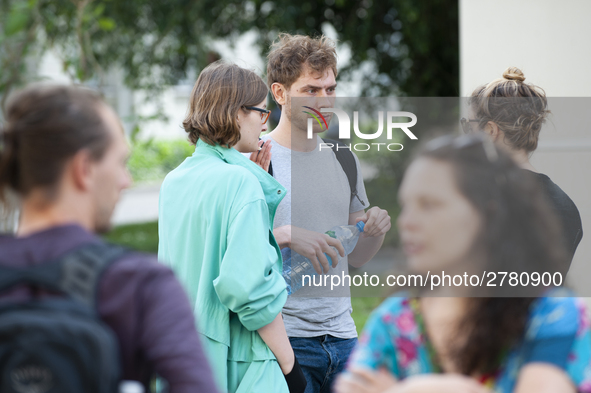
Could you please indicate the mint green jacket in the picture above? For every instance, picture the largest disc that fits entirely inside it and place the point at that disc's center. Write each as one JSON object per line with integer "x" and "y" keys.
{"x": 215, "y": 226}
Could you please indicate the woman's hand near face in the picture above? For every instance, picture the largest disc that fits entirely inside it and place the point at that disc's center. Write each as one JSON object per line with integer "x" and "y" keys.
{"x": 362, "y": 380}
{"x": 262, "y": 157}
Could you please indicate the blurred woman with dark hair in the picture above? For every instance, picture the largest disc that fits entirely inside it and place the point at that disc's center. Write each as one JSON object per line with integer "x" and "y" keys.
{"x": 467, "y": 206}
{"x": 512, "y": 113}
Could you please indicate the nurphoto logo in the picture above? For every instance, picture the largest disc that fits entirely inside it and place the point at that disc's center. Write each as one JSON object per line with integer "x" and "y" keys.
{"x": 345, "y": 128}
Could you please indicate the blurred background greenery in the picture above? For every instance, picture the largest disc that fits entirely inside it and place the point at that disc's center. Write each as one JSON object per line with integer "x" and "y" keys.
{"x": 151, "y": 160}
{"x": 142, "y": 237}
{"x": 412, "y": 45}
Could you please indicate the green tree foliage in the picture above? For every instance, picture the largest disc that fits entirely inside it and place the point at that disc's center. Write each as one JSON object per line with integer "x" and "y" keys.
{"x": 154, "y": 42}
{"x": 18, "y": 31}
{"x": 413, "y": 44}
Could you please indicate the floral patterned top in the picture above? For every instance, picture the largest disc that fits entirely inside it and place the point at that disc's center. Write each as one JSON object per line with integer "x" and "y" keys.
{"x": 557, "y": 332}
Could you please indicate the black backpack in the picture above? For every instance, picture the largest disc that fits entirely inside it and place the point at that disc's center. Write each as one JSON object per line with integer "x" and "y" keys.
{"x": 347, "y": 161}
{"x": 59, "y": 344}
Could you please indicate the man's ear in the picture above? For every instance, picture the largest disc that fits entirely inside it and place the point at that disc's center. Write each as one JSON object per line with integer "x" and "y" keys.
{"x": 81, "y": 169}
{"x": 493, "y": 130}
{"x": 279, "y": 93}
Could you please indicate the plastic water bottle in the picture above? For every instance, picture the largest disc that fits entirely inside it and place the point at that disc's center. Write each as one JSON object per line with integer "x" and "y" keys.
{"x": 296, "y": 266}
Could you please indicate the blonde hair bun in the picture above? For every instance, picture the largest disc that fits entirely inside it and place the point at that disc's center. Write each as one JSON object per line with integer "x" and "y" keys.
{"x": 514, "y": 74}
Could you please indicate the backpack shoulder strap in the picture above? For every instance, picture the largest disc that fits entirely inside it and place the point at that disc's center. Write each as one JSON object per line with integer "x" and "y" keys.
{"x": 76, "y": 273}
{"x": 82, "y": 270}
{"x": 347, "y": 161}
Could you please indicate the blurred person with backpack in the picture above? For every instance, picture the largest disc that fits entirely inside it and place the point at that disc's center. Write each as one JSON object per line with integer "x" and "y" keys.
{"x": 79, "y": 315}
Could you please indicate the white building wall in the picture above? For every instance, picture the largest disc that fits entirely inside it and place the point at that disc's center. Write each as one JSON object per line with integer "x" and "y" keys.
{"x": 549, "y": 40}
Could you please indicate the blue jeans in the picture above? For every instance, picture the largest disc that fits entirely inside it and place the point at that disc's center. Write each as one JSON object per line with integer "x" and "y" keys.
{"x": 321, "y": 359}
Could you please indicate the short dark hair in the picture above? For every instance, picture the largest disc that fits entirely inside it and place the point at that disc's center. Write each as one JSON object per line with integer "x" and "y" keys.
{"x": 221, "y": 90}
{"x": 45, "y": 126}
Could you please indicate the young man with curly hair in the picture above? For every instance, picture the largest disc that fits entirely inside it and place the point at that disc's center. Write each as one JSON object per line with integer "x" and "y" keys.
{"x": 301, "y": 71}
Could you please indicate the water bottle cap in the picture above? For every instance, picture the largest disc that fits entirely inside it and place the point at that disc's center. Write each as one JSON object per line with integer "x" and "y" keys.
{"x": 360, "y": 225}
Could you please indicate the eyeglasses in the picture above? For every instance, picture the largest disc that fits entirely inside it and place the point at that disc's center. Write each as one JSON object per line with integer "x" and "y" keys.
{"x": 466, "y": 124}
{"x": 265, "y": 113}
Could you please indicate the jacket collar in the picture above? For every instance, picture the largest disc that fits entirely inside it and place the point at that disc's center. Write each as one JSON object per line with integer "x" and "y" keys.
{"x": 274, "y": 191}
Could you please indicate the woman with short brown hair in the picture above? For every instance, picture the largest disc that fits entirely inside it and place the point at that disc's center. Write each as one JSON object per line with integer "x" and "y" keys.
{"x": 215, "y": 228}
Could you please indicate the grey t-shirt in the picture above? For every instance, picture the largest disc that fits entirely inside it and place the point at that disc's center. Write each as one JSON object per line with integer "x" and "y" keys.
{"x": 318, "y": 198}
